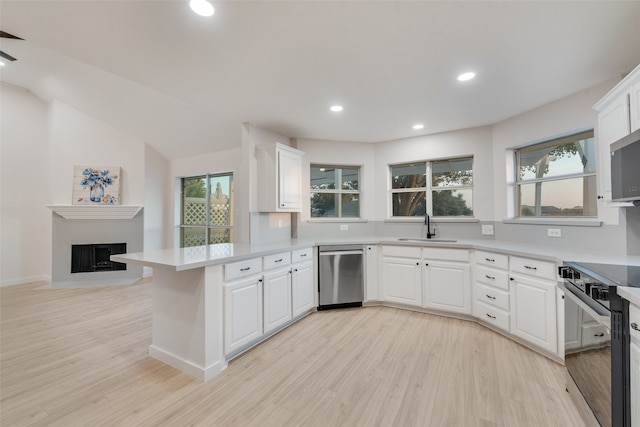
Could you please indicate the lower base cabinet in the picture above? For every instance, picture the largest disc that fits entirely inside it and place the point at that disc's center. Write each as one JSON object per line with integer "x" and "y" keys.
{"x": 302, "y": 289}
{"x": 447, "y": 286}
{"x": 402, "y": 280}
{"x": 242, "y": 312}
{"x": 276, "y": 295}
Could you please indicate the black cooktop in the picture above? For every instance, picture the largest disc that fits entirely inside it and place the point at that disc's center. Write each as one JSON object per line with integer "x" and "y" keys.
{"x": 610, "y": 274}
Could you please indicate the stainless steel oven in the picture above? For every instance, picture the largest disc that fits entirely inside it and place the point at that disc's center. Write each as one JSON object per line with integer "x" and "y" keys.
{"x": 597, "y": 338}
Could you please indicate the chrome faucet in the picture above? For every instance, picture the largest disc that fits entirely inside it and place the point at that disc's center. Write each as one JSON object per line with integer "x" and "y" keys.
{"x": 428, "y": 224}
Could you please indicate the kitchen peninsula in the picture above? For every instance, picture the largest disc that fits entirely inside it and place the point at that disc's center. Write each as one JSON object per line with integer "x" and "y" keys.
{"x": 194, "y": 291}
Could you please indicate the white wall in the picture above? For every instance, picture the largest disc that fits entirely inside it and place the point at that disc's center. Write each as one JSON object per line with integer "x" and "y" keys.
{"x": 25, "y": 223}
{"x": 156, "y": 202}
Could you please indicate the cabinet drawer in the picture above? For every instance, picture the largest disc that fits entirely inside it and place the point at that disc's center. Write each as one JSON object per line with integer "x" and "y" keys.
{"x": 276, "y": 260}
{"x": 533, "y": 267}
{"x": 493, "y": 260}
{"x": 492, "y": 296}
{"x": 401, "y": 251}
{"x": 242, "y": 268}
{"x": 301, "y": 255}
{"x": 493, "y": 277}
{"x": 491, "y": 315}
{"x": 446, "y": 254}
{"x": 634, "y": 317}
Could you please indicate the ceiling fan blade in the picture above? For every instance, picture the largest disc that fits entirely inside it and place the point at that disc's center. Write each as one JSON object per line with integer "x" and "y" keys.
{"x": 7, "y": 56}
{"x": 9, "y": 36}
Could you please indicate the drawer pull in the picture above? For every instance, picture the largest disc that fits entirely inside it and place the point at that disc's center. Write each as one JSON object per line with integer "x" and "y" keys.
{"x": 489, "y": 259}
{"x": 278, "y": 260}
{"x": 303, "y": 255}
{"x": 490, "y": 297}
{"x": 635, "y": 327}
{"x": 490, "y": 316}
{"x": 489, "y": 277}
{"x": 601, "y": 334}
{"x": 245, "y": 269}
{"x": 528, "y": 267}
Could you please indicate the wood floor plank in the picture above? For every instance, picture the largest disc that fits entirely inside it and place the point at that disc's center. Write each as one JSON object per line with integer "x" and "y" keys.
{"x": 79, "y": 357}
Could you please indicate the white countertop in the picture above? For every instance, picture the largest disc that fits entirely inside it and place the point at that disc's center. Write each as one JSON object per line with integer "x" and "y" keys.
{"x": 201, "y": 256}
{"x": 630, "y": 294}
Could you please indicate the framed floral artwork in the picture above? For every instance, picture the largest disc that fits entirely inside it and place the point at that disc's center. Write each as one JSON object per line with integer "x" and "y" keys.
{"x": 96, "y": 185}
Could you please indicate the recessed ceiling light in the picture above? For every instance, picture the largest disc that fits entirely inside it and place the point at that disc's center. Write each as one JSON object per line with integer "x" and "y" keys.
{"x": 336, "y": 108}
{"x": 418, "y": 126}
{"x": 201, "y": 7}
{"x": 466, "y": 76}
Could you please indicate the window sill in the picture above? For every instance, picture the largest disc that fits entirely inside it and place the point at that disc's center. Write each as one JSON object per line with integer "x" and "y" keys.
{"x": 340, "y": 220}
{"x": 569, "y": 222}
{"x": 431, "y": 219}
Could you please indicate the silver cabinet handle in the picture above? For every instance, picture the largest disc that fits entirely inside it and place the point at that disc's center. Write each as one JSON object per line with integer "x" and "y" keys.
{"x": 489, "y": 277}
{"x": 634, "y": 326}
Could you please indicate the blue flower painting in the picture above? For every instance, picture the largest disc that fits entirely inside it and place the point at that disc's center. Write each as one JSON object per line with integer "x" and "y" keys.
{"x": 96, "y": 185}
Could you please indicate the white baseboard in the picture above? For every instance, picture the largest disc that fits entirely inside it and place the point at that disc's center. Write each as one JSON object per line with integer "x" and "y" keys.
{"x": 203, "y": 374}
{"x": 23, "y": 280}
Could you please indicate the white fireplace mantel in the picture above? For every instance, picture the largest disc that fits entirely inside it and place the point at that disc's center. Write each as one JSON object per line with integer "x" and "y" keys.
{"x": 96, "y": 212}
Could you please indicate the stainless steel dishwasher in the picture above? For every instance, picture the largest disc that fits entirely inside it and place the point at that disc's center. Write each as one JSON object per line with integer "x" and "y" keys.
{"x": 340, "y": 276}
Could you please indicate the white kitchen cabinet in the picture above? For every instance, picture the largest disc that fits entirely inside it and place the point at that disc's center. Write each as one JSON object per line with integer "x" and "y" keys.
{"x": 280, "y": 183}
{"x": 371, "y": 273}
{"x": 447, "y": 286}
{"x": 618, "y": 116}
{"x": 491, "y": 289}
{"x": 402, "y": 280}
{"x": 242, "y": 312}
{"x": 533, "y": 309}
{"x": 302, "y": 289}
{"x": 276, "y": 295}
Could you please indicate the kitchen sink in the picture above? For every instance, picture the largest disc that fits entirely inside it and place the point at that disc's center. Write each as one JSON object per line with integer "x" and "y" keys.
{"x": 409, "y": 239}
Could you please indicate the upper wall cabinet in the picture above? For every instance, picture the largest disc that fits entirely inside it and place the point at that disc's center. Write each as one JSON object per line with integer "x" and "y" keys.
{"x": 618, "y": 116}
{"x": 280, "y": 178}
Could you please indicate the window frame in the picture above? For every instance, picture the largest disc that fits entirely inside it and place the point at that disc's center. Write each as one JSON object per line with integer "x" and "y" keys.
{"x": 338, "y": 192}
{"x": 208, "y": 226}
{"x": 518, "y": 182}
{"x": 429, "y": 188}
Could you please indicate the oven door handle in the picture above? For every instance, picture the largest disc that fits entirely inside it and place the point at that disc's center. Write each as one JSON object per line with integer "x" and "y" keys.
{"x": 601, "y": 315}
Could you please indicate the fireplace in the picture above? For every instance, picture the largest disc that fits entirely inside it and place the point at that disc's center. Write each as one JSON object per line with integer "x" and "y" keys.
{"x": 96, "y": 257}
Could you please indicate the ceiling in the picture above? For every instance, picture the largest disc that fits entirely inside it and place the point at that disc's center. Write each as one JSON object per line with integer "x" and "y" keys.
{"x": 184, "y": 83}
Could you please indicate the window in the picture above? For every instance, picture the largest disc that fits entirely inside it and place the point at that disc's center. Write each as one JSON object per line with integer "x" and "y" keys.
{"x": 449, "y": 183}
{"x": 557, "y": 178}
{"x": 335, "y": 191}
{"x": 207, "y": 206}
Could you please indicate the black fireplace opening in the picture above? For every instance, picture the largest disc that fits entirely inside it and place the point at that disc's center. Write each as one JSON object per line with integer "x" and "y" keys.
{"x": 94, "y": 258}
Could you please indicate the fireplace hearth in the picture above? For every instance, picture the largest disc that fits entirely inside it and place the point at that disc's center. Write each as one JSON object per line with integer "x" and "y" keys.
{"x": 93, "y": 258}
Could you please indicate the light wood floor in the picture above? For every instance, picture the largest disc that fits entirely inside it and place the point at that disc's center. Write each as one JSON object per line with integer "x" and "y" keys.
{"x": 78, "y": 357}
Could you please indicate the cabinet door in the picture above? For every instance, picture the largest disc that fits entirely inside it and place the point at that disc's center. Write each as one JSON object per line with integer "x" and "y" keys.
{"x": 277, "y": 299}
{"x": 371, "y": 277}
{"x": 402, "y": 281}
{"x": 613, "y": 124}
{"x": 242, "y": 312}
{"x": 635, "y": 384}
{"x": 447, "y": 286}
{"x": 302, "y": 296}
{"x": 634, "y": 106}
{"x": 533, "y": 316}
{"x": 289, "y": 180}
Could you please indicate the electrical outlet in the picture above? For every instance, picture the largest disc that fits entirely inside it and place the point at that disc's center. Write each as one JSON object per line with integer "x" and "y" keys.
{"x": 344, "y": 227}
{"x": 554, "y": 232}
{"x": 487, "y": 230}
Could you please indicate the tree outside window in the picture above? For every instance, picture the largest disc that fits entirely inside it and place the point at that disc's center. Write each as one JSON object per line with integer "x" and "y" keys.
{"x": 335, "y": 191}
{"x": 557, "y": 178}
{"x": 449, "y": 183}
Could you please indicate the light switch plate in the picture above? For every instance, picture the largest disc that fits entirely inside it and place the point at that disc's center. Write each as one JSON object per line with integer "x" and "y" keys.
{"x": 487, "y": 230}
